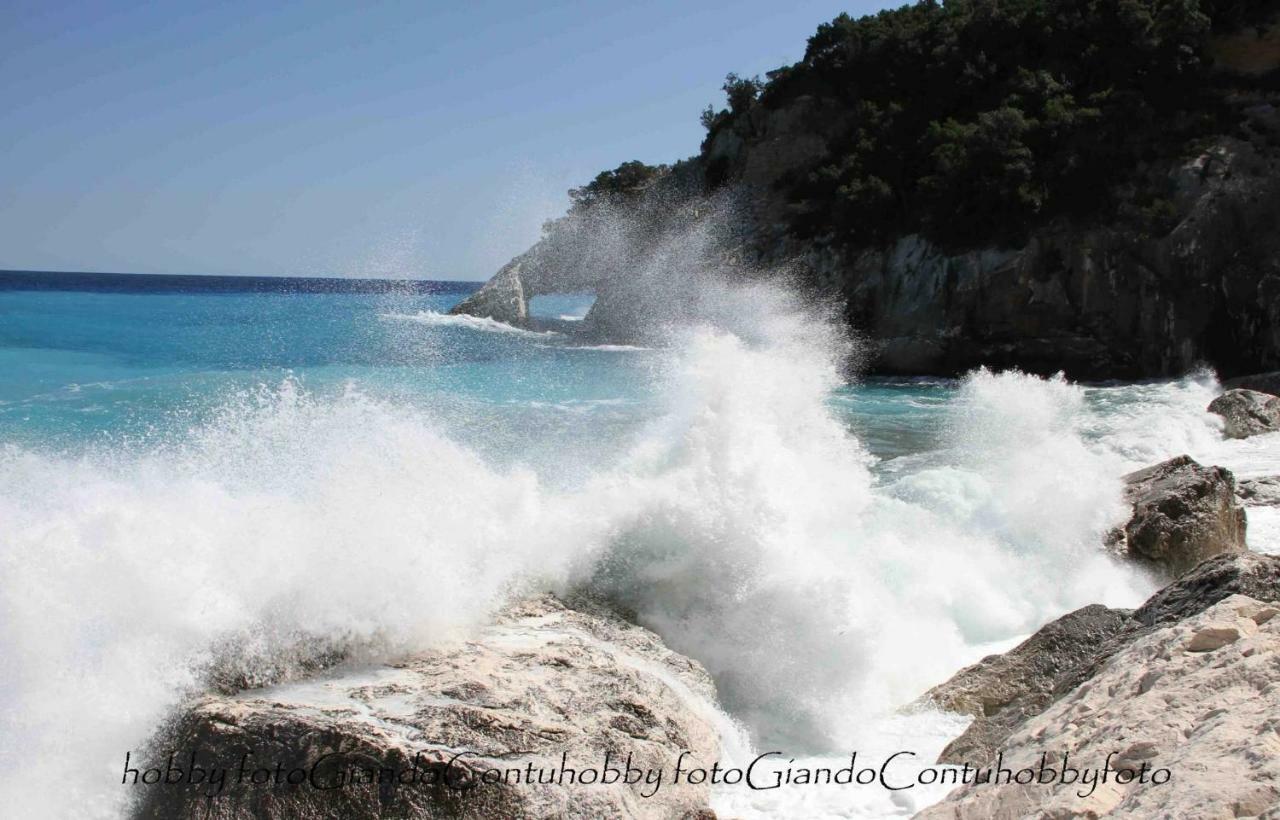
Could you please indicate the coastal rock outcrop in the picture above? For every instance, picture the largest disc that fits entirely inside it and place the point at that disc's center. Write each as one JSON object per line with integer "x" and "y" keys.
{"x": 981, "y": 225}
{"x": 1251, "y": 574}
{"x": 1184, "y": 717}
{"x": 1092, "y": 301}
{"x": 501, "y": 298}
{"x": 1003, "y": 692}
{"x": 1263, "y": 491}
{"x": 461, "y": 729}
{"x": 629, "y": 239}
{"x": 1261, "y": 382}
{"x": 1183, "y": 513}
{"x": 1247, "y": 412}
{"x": 1097, "y": 302}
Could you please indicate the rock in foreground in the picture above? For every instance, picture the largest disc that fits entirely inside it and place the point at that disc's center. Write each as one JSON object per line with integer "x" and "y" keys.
{"x": 1183, "y": 513}
{"x": 1247, "y": 412}
{"x": 543, "y": 686}
{"x": 1197, "y": 699}
{"x": 1003, "y": 692}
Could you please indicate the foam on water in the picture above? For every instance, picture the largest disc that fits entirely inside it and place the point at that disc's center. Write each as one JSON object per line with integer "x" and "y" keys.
{"x": 480, "y": 323}
{"x": 745, "y": 524}
{"x": 611, "y": 348}
{"x": 126, "y": 572}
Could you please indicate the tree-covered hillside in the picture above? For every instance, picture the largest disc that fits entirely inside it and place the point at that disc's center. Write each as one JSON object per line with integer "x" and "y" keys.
{"x": 973, "y": 121}
{"x": 1087, "y": 186}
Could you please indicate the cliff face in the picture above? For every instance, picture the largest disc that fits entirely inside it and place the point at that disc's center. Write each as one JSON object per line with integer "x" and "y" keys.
{"x": 1099, "y": 302}
{"x": 1096, "y": 302}
{"x": 1186, "y": 273}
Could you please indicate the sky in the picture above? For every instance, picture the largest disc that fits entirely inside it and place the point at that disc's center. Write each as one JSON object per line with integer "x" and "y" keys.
{"x": 407, "y": 140}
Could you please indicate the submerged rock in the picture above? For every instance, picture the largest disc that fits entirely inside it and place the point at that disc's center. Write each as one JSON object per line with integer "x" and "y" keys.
{"x": 1184, "y": 717}
{"x": 1004, "y": 691}
{"x": 463, "y": 729}
{"x": 1183, "y": 513}
{"x": 1247, "y": 412}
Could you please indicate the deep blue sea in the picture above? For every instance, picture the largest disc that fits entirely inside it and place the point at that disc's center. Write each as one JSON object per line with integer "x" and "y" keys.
{"x": 201, "y": 471}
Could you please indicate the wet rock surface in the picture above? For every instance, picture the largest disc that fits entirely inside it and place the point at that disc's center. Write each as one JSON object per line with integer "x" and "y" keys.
{"x": 1261, "y": 382}
{"x": 1247, "y": 412}
{"x": 1183, "y": 513}
{"x": 1259, "y": 492}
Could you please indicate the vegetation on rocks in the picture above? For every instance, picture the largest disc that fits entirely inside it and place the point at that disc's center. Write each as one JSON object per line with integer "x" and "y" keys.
{"x": 973, "y": 121}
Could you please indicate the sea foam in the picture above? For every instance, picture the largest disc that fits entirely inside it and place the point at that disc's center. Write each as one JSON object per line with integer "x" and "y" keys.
{"x": 744, "y": 523}
{"x": 480, "y": 323}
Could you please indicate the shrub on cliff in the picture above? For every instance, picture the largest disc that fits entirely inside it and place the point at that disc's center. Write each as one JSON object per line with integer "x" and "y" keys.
{"x": 972, "y": 121}
{"x": 625, "y": 182}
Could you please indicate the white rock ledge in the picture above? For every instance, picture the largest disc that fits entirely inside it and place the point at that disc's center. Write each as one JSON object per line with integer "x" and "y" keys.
{"x": 542, "y": 685}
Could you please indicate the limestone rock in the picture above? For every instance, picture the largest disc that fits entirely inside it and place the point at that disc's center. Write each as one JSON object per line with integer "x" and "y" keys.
{"x": 1247, "y": 412}
{"x": 1251, "y": 574}
{"x": 1208, "y": 718}
{"x": 501, "y": 298}
{"x": 1003, "y": 690}
{"x": 1213, "y": 636}
{"x": 1094, "y": 302}
{"x": 1183, "y": 513}
{"x": 542, "y": 682}
{"x": 1077, "y": 646}
{"x": 1263, "y": 491}
{"x": 613, "y": 249}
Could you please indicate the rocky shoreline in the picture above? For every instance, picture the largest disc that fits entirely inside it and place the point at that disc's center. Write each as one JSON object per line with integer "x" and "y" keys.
{"x": 1188, "y": 682}
{"x": 1094, "y": 302}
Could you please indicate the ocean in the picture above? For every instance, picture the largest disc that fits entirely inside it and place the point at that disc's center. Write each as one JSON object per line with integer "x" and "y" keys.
{"x": 198, "y": 471}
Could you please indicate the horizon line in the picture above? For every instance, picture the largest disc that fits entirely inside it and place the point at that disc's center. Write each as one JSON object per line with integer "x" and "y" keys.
{"x": 334, "y": 277}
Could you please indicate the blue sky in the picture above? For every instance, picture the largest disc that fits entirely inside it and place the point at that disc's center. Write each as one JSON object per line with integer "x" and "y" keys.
{"x": 343, "y": 138}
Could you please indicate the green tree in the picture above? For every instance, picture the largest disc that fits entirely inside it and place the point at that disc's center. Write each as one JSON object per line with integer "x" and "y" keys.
{"x": 974, "y": 120}
{"x": 622, "y": 183}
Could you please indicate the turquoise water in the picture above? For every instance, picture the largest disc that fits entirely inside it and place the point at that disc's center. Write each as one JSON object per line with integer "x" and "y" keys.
{"x": 82, "y": 367}
{"x": 198, "y": 472}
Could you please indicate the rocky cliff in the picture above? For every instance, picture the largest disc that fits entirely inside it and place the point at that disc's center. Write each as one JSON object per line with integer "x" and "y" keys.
{"x": 1097, "y": 302}
{"x": 1177, "y": 264}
